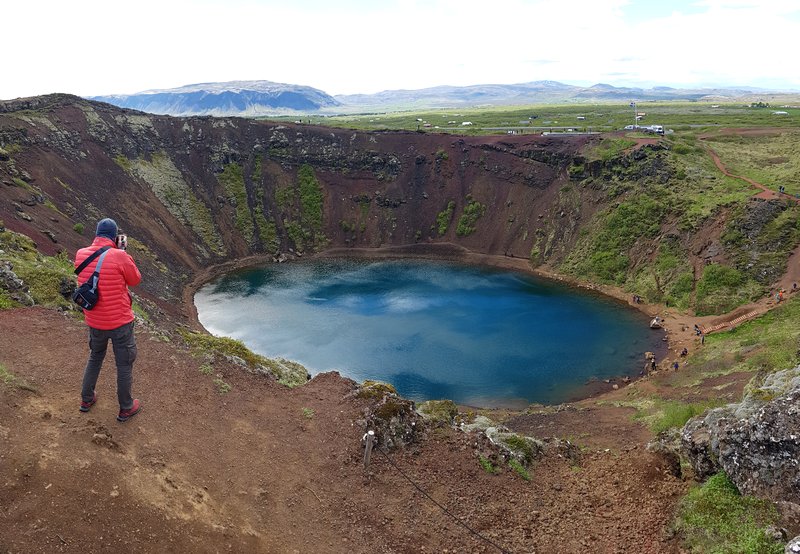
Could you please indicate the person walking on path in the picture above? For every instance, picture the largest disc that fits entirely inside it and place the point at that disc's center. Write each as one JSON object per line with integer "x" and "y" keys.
{"x": 111, "y": 318}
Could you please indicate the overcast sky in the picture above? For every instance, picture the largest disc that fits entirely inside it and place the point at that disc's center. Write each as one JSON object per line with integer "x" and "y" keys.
{"x": 363, "y": 46}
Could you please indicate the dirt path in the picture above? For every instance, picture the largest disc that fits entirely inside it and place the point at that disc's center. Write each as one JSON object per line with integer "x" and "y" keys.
{"x": 250, "y": 471}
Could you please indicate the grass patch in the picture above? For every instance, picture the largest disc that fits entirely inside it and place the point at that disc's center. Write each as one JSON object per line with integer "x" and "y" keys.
{"x": 206, "y": 369}
{"x": 6, "y": 302}
{"x": 771, "y": 160}
{"x": 232, "y": 179}
{"x": 6, "y": 377}
{"x": 308, "y": 413}
{"x": 610, "y": 148}
{"x": 715, "y": 517}
{"x": 767, "y": 343}
{"x": 301, "y": 206}
{"x": 45, "y": 276}
{"x": 672, "y": 414}
{"x": 723, "y": 288}
{"x": 444, "y": 218}
{"x": 286, "y": 372}
{"x": 519, "y": 469}
{"x": 520, "y": 445}
{"x": 222, "y": 386}
{"x": 472, "y": 212}
{"x": 487, "y": 465}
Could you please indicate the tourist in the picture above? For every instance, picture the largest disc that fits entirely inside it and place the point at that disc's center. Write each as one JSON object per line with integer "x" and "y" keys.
{"x": 112, "y": 317}
{"x": 684, "y": 352}
{"x": 675, "y": 365}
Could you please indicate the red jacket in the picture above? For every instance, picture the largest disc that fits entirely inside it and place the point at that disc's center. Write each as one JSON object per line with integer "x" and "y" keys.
{"x": 118, "y": 272}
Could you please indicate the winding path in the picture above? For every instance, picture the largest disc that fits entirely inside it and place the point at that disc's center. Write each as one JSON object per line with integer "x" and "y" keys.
{"x": 741, "y": 314}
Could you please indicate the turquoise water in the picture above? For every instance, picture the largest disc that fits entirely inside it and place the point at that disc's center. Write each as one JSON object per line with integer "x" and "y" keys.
{"x": 478, "y": 336}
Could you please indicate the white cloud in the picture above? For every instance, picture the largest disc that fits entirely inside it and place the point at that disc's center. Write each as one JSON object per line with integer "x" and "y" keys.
{"x": 366, "y": 46}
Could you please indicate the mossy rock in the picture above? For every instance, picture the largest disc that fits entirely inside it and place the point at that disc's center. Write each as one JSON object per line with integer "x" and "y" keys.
{"x": 391, "y": 408}
{"x": 522, "y": 448}
{"x": 394, "y": 420}
{"x": 438, "y": 411}
{"x": 375, "y": 389}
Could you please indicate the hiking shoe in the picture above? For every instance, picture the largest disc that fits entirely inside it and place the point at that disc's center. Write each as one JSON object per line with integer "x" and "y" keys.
{"x": 125, "y": 415}
{"x": 86, "y": 406}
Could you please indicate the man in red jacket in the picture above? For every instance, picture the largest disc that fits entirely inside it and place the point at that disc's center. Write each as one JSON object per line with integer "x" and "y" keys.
{"x": 111, "y": 318}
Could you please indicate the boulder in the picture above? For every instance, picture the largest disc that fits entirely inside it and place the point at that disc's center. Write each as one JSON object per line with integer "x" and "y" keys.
{"x": 761, "y": 453}
{"x": 793, "y": 547}
{"x": 756, "y": 442}
{"x": 393, "y": 419}
{"x": 17, "y": 289}
{"x": 438, "y": 411}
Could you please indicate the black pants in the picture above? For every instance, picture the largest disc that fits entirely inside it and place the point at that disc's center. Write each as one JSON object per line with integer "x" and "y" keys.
{"x": 124, "y": 345}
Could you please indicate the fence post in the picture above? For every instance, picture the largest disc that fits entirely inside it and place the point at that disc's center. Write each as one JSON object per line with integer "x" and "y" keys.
{"x": 369, "y": 438}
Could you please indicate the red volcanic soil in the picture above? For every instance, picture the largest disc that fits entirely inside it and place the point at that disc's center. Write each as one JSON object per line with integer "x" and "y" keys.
{"x": 255, "y": 470}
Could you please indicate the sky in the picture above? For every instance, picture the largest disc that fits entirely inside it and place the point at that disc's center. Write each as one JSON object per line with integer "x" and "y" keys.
{"x": 104, "y": 47}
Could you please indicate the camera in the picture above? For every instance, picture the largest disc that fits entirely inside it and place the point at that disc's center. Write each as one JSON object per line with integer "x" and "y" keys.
{"x": 122, "y": 241}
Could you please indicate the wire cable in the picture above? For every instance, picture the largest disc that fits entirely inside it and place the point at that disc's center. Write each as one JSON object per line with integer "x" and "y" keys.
{"x": 445, "y": 510}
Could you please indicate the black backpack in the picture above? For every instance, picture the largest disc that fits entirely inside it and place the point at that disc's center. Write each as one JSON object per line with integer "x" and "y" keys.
{"x": 87, "y": 295}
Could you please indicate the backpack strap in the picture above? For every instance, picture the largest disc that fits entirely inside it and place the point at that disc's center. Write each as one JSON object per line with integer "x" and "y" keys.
{"x": 91, "y": 257}
{"x": 96, "y": 275}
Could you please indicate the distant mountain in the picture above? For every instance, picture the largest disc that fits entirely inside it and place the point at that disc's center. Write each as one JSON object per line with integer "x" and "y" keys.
{"x": 254, "y": 98}
{"x": 535, "y": 92}
{"x": 244, "y": 98}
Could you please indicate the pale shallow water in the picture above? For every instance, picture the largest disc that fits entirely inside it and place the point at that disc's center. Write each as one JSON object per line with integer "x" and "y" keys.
{"x": 478, "y": 336}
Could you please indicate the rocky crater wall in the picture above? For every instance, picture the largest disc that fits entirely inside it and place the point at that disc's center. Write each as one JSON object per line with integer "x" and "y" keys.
{"x": 199, "y": 191}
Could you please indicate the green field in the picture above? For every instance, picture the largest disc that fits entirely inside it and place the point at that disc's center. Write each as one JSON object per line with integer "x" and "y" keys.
{"x": 772, "y": 159}
{"x": 542, "y": 117}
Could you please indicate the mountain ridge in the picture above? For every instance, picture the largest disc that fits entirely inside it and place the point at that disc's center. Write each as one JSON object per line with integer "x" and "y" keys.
{"x": 265, "y": 98}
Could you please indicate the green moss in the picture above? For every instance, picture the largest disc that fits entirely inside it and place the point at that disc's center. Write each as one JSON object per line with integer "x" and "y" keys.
{"x": 520, "y": 445}
{"x": 78, "y": 228}
{"x": 167, "y": 183}
{"x": 390, "y": 408}
{"x": 619, "y": 229}
{"x": 715, "y": 517}
{"x": 443, "y": 411}
{"x": 301, "y": 206}
{"x": 444, "y": 218}
{"x": 472, "y": 212}
{"x": 723, "y": 288}
{"x": 45, "y": 276}
{"x": 267, "y": 230}
{"x": 672, "y": 414}
{"x": 222, "y": 386}
{"x": 6, "y": 302}
{"x": 232, "y": 179}
{"x": 287, "y": 373}
{"x": 311, "y": 197}
{"x": 6, "y": 377}
{"x": 519, "y": 469}
{"x": 124, "y": 163}
{"x": 375, "y": 389}
{"x": 487, "y": 465}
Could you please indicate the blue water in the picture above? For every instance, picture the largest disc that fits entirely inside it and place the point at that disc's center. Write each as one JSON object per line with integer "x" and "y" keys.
{"x": 478, "y": 336}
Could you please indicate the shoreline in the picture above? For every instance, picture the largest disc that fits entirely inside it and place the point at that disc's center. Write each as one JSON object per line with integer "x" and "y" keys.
{"x": 594, "y": 388}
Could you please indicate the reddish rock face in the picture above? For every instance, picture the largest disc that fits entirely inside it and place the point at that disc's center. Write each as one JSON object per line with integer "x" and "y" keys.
{"x": 194, "y": 192}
